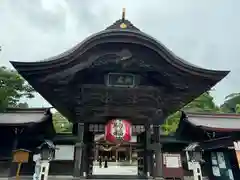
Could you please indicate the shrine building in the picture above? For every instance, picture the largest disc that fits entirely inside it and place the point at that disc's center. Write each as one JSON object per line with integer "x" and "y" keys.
{"x": 209, "y": 136}
{"x": 120, "y": 78}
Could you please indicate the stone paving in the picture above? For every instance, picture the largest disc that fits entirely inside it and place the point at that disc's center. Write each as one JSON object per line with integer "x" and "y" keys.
{"x": 111, "y": 170}
{"x": 115, "y": 170}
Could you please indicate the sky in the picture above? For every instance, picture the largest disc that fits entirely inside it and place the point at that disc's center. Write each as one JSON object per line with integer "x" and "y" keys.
{"x": 203, "y": 32}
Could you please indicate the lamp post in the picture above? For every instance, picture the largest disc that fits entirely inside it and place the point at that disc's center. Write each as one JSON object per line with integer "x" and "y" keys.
{"x": 194, "y": 160}
{"x": 46, "y": 154}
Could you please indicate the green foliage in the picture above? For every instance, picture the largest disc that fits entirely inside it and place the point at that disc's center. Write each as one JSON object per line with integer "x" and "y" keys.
{"x": 237, "y": 109}
{"x": 230, "y": 103}
{"x": 12, "y": 88}
{"x": 61, "y": 124}
{"x": 171, "y": 123}
{"x": 203, "y": 103}
{"x": 23, "y": 105}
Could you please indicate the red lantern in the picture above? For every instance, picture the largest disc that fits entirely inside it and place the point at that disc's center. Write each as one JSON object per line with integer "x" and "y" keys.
{"x": 118, "y": 130}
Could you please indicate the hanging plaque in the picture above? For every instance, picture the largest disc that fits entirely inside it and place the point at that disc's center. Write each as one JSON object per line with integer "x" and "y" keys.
{"x": 121, "y": 80}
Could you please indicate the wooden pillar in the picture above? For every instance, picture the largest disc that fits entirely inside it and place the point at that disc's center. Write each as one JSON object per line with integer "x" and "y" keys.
{"x": 141, "y": 154}
{"x": 13, "y": 166}
{"x": 130, "y": 153}
{"x": 158, "y": 165}
{"x": 148, "y": 153}
{"x": 88, "y": 151}
{"x": 116, "y": 155}
{"x": 79, "y": 150}
{"x": 96, "y": 155}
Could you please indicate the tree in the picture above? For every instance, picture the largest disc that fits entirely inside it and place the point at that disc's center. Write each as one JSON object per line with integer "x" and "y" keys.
{"x": 237, "y": 109}
{"x": 171, "y": 123}
{"x": 23, "y": 105}
{"x": 230, "y": 103}
{"x": 61, "y": 124}
{"x": 203, "y": 103}
{"x": 12, "y": 88}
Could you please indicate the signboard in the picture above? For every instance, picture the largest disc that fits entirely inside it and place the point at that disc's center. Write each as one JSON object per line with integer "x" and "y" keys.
{"x": 64, "y": 152}
{"x": 237, "y": 151}
{"x": 121, "y": 80}
{"x": 172, "y": 165}
{"x": 172, "y": 160}
{"x": 21, "y": 156}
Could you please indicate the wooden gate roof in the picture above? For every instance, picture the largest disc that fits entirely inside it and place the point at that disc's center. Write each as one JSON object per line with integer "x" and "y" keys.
{"x": 210, "y": 130}
{"x": 19, "y": 117}
{"x": 218, "y": 122}
{"x": 73, "y": 82}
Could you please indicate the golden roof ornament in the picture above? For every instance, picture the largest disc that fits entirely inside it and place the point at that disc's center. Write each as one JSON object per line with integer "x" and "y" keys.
{"x": 123, "y": 25}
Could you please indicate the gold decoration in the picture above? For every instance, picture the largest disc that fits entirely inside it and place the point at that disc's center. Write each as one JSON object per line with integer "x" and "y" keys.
{"x": 109, "y": 148}
{"x": 123, "y": 26}
{"x": 106, "y": 148}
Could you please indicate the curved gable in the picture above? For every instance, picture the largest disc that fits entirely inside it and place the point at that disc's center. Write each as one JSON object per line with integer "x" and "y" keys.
{"x": 77, "y": 78}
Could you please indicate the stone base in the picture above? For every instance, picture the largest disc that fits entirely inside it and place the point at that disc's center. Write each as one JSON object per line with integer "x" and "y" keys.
{"x": 159, "y": 178}
{"x": 79, "y": 178}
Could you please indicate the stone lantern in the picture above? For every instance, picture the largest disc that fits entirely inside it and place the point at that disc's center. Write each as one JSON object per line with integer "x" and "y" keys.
{"x": 46, "y": 154}
{"x": 194, "y": 160}
{"x": 47, "y": 150}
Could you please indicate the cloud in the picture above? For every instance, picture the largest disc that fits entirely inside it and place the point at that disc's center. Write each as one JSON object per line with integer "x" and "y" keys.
{"x": 205, "y": 33}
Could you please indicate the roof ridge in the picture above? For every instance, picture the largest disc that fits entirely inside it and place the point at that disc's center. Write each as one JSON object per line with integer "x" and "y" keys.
{"x": 26, "y": 110}
{"x": 212, "y": 114}
{"x": 118, "y": 25}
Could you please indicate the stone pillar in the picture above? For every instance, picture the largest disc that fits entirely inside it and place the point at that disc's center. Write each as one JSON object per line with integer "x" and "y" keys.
{"x": 79, "y": 150}
{"x": 158, "y": 165}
